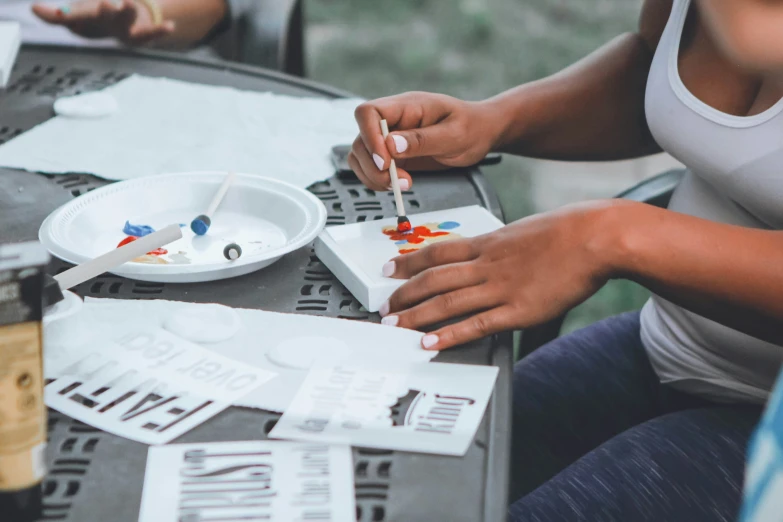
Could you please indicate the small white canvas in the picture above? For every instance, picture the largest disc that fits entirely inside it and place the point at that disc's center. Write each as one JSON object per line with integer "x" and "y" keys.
{"x": 429, "y": 408}
{"x": 356, "y": 253}
{"x": 244, "y": 481}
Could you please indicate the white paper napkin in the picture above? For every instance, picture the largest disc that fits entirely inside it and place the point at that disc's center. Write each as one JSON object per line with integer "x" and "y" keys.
{"x": 165, "y": 125}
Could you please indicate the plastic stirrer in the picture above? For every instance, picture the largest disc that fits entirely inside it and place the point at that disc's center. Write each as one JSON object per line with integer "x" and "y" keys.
{"x": 118, "y": 256}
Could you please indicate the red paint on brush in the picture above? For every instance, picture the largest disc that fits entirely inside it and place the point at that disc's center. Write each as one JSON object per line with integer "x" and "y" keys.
{"x": 156, "y": 252}
{"x": 404, "y": 226}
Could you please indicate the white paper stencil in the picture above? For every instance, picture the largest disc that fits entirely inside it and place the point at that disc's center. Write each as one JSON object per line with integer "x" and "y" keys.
{"x": 285, "y": 344}
{"x": 165, "y": 125}
{"x": 441, "y": 406}
{"x": 244, "y": 481}
{"x": 149, "y": 385}
{"x": 357, "y": 252}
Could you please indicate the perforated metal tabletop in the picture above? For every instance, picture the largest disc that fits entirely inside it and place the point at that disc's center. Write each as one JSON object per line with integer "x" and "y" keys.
{"x": 97, "y": 477}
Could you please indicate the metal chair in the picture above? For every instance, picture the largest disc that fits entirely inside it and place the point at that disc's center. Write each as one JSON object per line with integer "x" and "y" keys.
{"x": 656, "y": 191}
{"x": 270, "y": 34}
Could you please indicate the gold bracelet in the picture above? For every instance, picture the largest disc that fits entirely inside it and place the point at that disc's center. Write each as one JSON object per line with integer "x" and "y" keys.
{"x": 154, "y": 8}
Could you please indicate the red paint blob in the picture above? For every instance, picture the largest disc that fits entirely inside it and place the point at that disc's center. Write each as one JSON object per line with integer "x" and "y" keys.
{"x": 416, "y": 236}
{"x": 129, "y": 239}
{"x": 156, "y": 252}
{"x": 407, "y": 250}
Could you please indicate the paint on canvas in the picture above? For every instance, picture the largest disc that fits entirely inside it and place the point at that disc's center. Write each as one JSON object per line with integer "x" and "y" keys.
{"x": 422, "y": 235}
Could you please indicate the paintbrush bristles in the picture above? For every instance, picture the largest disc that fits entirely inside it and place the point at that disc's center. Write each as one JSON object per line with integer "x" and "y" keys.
{"x": 393, "y": 173}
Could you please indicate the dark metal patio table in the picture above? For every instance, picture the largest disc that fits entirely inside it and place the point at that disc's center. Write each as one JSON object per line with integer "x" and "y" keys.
{"x": 95, "y": 476}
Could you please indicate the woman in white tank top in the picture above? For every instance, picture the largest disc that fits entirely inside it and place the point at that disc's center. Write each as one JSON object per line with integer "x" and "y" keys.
{"x": 644, "y": 416}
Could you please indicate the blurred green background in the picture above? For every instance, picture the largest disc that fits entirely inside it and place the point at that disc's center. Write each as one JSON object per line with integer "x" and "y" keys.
{"x": 473, "y": 49}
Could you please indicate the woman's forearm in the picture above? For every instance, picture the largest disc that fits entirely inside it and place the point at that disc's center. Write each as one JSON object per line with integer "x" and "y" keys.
{"x": 730, "y": 274}
{"x": 194, "y": 20}
{"x": 593, "y": 110}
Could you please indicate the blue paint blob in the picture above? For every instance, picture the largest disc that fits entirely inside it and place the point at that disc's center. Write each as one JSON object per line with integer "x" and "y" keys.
{"x": 199, "y": 227}
{"x": 182, "y": 225}
{"x": 403, "y": 242}
{"x": 137, "y": 230}
{"x": 448, "y": 225}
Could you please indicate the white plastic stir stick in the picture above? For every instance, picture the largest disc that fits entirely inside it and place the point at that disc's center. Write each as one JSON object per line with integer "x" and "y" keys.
{"x": 118, "y": 256}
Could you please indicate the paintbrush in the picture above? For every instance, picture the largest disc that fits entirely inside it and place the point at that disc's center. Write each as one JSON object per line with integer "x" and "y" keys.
{"x": 104, "y": 263}
{"x": 403, "y": 223}
{"x": 201, "y": 224}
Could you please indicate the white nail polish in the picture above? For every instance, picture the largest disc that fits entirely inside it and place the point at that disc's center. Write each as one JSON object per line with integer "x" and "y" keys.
{"x": 388, "y": 269}
{"x": 384, "y": 309}
{"x": 391, "y": 320}
{"x": 400, "y": 143}
{"x": 404, "y": 184}
{"x": 429, "y": 340}
{"x": 378, "y": 161}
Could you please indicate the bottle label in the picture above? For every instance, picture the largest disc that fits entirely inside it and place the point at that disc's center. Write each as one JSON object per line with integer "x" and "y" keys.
{"x": 22, "y": 410}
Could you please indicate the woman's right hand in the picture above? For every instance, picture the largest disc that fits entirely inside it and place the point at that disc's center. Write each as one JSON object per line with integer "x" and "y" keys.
{"x": 128, "y": 21}
{"x": 427, "y": 132}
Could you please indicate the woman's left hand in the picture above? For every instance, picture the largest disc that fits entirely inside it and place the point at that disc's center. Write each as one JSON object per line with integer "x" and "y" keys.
{"x": 524, "y": 274}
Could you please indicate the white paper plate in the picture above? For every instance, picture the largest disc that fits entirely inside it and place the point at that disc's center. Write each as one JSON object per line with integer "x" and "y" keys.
{"x": 266, "y": 217}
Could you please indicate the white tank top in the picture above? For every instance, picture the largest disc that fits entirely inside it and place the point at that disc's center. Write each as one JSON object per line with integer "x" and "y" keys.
{"x": 735, "y": 176}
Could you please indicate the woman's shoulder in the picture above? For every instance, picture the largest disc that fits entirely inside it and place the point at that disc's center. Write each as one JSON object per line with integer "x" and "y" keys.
{"x": 652, "y": 21}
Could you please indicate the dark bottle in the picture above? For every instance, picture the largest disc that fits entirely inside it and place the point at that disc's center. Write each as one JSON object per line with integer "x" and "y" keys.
{"x": 22, "y": 410}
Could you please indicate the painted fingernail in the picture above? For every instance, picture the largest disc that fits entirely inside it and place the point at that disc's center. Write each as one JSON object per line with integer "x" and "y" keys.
{"x": 388, "y": 269}
{"x": 378, "y": 161}
{"x": 391, "y": 320}
{"x": 64, "y": 10}
{"x": 400, "y": 143}
{"x": 404, "y": 184}
{"x": 384, "y": 309}
{"x": 429, "y": 340}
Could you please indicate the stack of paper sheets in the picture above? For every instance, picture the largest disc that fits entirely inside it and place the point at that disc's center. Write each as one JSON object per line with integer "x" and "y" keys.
{"x": 152, "y": 370}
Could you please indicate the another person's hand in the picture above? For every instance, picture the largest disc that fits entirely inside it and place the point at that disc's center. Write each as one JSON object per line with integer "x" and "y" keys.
{"x": 427, "y": 132}
{"x": 129, "y": 21}
{"x": 524, "y": 274}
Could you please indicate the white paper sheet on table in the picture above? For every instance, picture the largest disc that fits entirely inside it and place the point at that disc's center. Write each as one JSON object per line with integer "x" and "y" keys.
{"x": 259, "y": 335}
{"x": 167, "y": 125}
{"x": 352, "y": 404}
{"x": 254, "y": 480}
